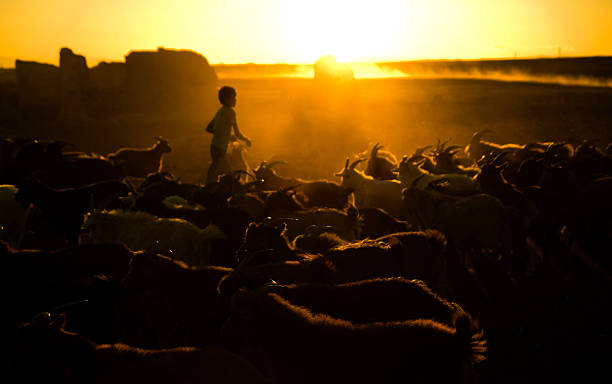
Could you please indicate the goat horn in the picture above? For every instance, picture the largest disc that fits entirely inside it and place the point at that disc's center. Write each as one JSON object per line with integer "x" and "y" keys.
{"x": 354, "y": 164}
{"x": 277, "y": 162}
{"x": 420, "y": 151}
{"x": 287, "y": 189}
{"x": 68, "y": 305}
{"x": 243, "y": 172}
{"x": 252, "y": 183}
{"x": 375, "y": 149}
{"x": 478, "y": 135}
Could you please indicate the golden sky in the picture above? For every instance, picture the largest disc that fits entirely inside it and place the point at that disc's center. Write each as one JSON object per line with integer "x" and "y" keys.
{"x": 300, "y": 31}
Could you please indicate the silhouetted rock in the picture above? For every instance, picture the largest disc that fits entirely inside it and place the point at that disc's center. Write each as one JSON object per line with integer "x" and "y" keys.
{"x": 328, "y": 69}
{"x": 74, "y": 83}
{"x": 173, "y": 83}
{"x": 7, "y": 75}
{"x": 38, "y": 89}
{"x": 108, "y": 76}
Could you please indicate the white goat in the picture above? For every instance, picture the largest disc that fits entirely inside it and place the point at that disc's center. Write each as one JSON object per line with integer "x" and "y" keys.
{"x": 138, "y": 162}
{"x": 13, "y": 217}
{"x": 372, "y": 193}
{"x": 413, "y": 175}
{"x": 176, "y": 238}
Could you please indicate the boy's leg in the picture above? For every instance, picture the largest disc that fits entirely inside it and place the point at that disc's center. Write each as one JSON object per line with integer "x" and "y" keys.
{"x": 218, "y": 157}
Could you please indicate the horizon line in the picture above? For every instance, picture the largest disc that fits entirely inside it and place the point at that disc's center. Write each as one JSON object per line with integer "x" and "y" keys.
{"x": 511, "y": 58}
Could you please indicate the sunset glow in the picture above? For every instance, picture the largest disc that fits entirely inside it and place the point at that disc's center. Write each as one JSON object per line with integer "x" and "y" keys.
{"x": 299, "y": 31}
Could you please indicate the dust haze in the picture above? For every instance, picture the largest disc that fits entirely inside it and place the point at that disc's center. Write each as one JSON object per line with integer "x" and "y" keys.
{"x": 314, "y": 126}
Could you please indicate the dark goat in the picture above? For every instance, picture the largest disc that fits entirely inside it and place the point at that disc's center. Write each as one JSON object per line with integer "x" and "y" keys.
{"x": 266, "y": 242}
{"x": 76, "y": 170}
{"x": 298, "y": 346}
{"x": 381, "y": 167}
{"x": 413, "y": 255}
{"x": 376, "y": 222}
{"x": 316, "y": 269}
{"x": 139, "y": 162}
{"x": 165, "y": 303}
{"x": 65, "y": 208}
{"x": 318, "y": 239}
{"x": 311, "y": 193}
{"x": 445, "y": 161}
{"x": 34, "y": 280}
{"x": 390, "y": 299}
{"x": 45, "y": 352}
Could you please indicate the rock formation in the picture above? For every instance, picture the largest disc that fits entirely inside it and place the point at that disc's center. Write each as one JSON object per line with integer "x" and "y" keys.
{"x": 38, "y": 86}
{"x": 177, "y": 84}
{"x": 74, "y": 84}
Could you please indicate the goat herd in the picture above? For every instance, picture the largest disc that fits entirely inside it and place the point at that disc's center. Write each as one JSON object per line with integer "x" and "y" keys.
{"x": 489, "y": 263}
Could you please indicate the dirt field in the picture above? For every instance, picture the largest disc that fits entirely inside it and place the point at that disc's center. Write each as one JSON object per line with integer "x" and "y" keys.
{"x": 315, "y": 127}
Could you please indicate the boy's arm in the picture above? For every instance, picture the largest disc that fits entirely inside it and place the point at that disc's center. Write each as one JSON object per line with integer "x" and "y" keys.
{"x": 211, "y": 126}
{"x": 239, "y": 134}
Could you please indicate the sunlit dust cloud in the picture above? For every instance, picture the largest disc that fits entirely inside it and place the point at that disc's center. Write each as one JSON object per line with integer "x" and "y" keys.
{"x": 374, "y": 71}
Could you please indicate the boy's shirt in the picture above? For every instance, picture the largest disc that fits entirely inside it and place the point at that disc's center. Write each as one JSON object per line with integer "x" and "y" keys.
{"x": 224, "y": 120}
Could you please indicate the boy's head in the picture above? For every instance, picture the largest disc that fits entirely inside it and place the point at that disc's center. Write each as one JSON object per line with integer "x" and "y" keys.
{"x": 227, "y": 96}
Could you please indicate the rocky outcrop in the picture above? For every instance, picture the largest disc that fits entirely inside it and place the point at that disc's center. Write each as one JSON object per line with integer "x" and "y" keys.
{"x": 74, "y": 84}
{"x": 154, "y": 87}
{"x": 38, "y": 89}
{"x": 107, "y": 76}
{"x": 173, "y": 83}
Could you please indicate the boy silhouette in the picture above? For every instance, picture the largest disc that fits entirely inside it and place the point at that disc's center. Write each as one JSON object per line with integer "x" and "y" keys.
{"x": 221, "y": 126}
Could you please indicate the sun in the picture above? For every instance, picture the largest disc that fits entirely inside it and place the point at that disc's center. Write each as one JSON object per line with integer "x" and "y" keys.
{"x": 351, "y": 30}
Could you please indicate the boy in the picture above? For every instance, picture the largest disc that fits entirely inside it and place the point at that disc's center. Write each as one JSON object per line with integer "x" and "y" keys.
{"x": 221, "y": 126}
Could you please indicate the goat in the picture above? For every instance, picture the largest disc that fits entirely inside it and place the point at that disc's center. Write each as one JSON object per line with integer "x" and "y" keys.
{"x": 46, "y": 352}
{"x": 381, "y": 167}
{"x": 165, "y": 303}
{"x": 381, "y": 299}
{"x": 314, "y": 269}
{"x": 412, "y": 175}
{"x": 477, "y": 221}
{"x": 445, "y": 161}
{"x": 65, "y": 208}
{"x": 266, "y": 242}
{"x": 178, "y": 238}
{"x": 139, "y": 162}
{"x": 370, "y": 193}
{"x": 318, "y": 239}
{"x": 298, "y": 346}
{"x": 375, "y": 222}
{"x": 478, "y": 148}
{"x": 311, "y": 193}
{"x": 13, "y": 216}
{"x": 346, "y": 224}
{"x": 34, "y": 280}
{"x": 413, "y": 255}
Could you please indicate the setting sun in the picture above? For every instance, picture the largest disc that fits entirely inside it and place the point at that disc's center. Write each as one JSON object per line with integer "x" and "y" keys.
{"x": 350, "y": 30}
{"x": 299, "y": 31}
